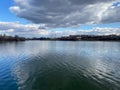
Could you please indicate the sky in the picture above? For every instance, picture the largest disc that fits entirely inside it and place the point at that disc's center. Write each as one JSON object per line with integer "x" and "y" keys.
{"x": 55, "y": 18}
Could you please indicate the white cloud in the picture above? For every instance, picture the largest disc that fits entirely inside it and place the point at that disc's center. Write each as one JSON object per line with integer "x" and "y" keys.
{"x": 33, "y": 30}
{"x": 15, "y": 9}
{"x": 13, "y": 28}
{"x": 94, "y": 31}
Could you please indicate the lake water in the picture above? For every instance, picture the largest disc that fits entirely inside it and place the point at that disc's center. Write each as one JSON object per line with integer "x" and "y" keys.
{"x": 60, "y": 65}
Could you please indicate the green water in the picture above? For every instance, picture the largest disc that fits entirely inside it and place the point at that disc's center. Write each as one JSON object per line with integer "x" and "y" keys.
{"x": 60, "y": 65}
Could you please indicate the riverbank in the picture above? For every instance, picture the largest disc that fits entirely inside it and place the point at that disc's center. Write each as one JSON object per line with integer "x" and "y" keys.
{"x": 65, "y": 38}
{"x": 82, "y": 38}
{"x": 11, "y": 38}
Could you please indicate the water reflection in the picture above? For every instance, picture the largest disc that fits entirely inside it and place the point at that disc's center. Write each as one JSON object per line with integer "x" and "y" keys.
{"x": 57, "y": 65}
{"x": 53, "y": 65}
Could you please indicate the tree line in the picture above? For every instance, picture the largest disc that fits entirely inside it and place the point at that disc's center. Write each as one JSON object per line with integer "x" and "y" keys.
{"x": 4, "y": 37}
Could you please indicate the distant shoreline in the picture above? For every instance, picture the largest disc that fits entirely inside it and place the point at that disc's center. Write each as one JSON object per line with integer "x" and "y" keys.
{"x": 4, "y": 38}
{"x": 82, "y": 38}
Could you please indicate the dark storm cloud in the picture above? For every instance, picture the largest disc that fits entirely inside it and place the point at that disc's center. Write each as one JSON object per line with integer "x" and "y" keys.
{"x": 65, "y": 13}
{"x": 112, "y": 15}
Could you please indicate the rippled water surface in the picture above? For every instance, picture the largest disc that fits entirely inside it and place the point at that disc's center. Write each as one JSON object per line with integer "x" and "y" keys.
{"x": 59, "y": 65}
